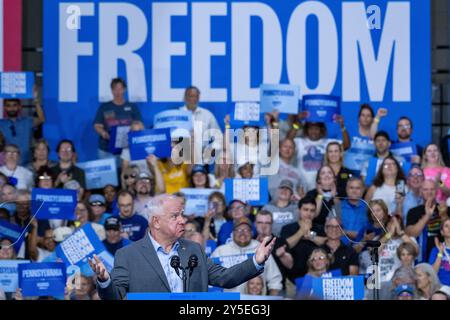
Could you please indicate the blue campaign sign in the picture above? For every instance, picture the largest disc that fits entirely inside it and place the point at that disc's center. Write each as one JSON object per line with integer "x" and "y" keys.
{"x": 246, "y": 114}
{"x": 99, "y": 173}
{"x": 229, "y": 261}
{"x": 321, "y": 108}
{"x": 54, "y": 203}
{"x": 282, "y": 97}
{"x": 9, "y": 274}
{"x": 228, "y": 49}
{"x": 254, "y": 191}
{"x": 18, "y": 85}
{"x": 146, "y": 142}
{"x": 404, "y": 149}
{"x": 184, "y": 296}
{"x": 196, "y": 201}
{"x": 173, "y": 118}
{"x": 12, "y": 232}
{"x": 83, "y": 243}
{"x": 42, "y": 279}
{"x": 304, "y": 285}
{"x": 339, "y": 288}
{"x": 118, "y": 139}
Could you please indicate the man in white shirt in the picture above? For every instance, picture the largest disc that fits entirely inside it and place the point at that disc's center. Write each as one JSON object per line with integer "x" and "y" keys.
{"x": 18, "y": 176}
{"x": 203, "y": 119}
{"x": 243, "y": 244}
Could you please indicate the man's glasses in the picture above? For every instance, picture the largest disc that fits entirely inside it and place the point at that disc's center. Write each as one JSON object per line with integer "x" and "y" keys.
{"x": 45, "y": 178}
{"x": 415, "y": 175}
{"x": 242, "y": 231}
{"x": 404, "y": 127}
{"x": 331, "y": 227}
{"x": 96, "y": 204}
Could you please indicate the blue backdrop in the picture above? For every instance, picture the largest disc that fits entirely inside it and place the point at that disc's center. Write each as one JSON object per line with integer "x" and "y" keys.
{"x": 374, "y": 51}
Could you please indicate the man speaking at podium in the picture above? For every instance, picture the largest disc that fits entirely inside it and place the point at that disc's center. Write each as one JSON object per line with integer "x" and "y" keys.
{"x": 153, "y": 263}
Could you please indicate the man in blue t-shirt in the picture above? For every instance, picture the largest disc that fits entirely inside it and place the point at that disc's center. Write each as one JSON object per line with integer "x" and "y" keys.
{"x": 18, "y": 129}
{"x": 116, "y": 113}
{"x": 352, "y": 210}
{"x": 134, "y": 226}
{"x": 114, "y": 241}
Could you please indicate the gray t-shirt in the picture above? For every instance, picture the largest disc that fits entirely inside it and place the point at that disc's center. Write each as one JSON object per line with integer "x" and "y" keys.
{"x": 281, "y": 216}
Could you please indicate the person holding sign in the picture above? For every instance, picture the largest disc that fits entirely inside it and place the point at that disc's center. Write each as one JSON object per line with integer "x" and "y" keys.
{"x": 311, "y": 151}
{"x": 202, "y": 119}
{"x": 145, "y": 266}
{"x": 117, "y": 112}
{"x": 362, "y": 140}
{"x": 66, "y": 169}
{"x": 18, "y": 129}
{"x": 405, "y": 146}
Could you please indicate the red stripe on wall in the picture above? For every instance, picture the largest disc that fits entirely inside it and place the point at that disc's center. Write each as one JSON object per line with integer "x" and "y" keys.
{"x": 12, "y": 35}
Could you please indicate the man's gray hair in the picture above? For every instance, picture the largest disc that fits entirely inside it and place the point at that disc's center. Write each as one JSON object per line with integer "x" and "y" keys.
{"x": 155, "y": 205}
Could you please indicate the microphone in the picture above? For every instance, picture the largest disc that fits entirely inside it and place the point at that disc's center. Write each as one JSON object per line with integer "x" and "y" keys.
{"x": 175, "y": 263}
{"x": 192, "y": 263}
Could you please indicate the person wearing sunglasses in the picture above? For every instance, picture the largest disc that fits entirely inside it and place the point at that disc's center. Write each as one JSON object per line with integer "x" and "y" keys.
{"x": 128, "y": 178}
{"x": 18, "y": 176}
{"x": 18, "y": 129}
{"x": 404, "y": 132}
{"x": 413, "y": 196}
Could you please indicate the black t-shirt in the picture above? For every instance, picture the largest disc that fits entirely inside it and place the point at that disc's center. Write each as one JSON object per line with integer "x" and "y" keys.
{"x": 279, "y": 242}
{"x": 433, "y": 226}
{"x": 302, "y": 249}
{"x": 76, "y": 173}
{"x": 324, "y": 212}
{"x": 343, "y": 258}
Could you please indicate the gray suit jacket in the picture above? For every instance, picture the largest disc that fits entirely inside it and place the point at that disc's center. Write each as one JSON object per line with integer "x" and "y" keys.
{"x": 137, "y": 269}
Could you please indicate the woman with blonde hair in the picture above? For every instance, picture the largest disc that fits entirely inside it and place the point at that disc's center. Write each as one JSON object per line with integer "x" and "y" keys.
{"x": 256, "y": 286}
{"x": 434, "y": 169}
{"x": 334, "y": 158}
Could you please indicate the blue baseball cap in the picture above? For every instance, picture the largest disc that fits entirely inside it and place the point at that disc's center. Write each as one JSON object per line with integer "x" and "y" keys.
{"x": 97, "y": 198}
{"x": 199, "y": 168}
{"x": 404, "y": 288}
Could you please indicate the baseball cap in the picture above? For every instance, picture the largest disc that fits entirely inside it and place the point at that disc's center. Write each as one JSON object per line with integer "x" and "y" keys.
{"x": 61, "y": 233}
{"x": 97, "y": 199}
{"x": 286, "y": 184}
{"x": 144, "y": 176}
{"x": 112, "y": 223}
{"x": 241, "y": 221}
{"x": 199, "y": 168}
{"x": 404, "y": 288}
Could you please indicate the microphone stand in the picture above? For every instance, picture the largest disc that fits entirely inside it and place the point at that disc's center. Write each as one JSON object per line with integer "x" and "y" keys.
{"x": 373, "y": 248}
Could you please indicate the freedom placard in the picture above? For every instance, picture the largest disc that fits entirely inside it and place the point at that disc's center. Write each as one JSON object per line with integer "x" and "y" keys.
{"x": 196, "y": 201}
{"x": 179, "y": 122}
{"x": 118, "y": 138}
{"x": 232, "y": 260}
{"x": 12, "y": 232}
{"x": 9, "y": 274}
{"x": 304, "y": 285}
{"x": 254, "y": 191}
{"x": 282, "y": 97}
{"x": 146, "y": 142}
{"x": 404, "y": 149}
{"x": 54, "y": 203}
{"x": 321, "y": 108}
{"x": 339, "y": 288}
{"x": 81, "y": 245}
{"x": 16, "y": 85}
{"x": 42, "y": 279}
{"x": 99, "y": 173}
{"x": 246, "y": 114}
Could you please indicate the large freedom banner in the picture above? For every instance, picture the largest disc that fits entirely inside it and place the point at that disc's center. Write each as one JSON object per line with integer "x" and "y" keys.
{"x": 373, "y": 51}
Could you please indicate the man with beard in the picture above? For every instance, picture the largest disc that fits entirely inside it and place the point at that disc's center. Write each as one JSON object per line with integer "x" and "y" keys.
{"x": 144, "y": 193}
{"x": 405, "y": 146}
{"x": 18, "y": 129}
